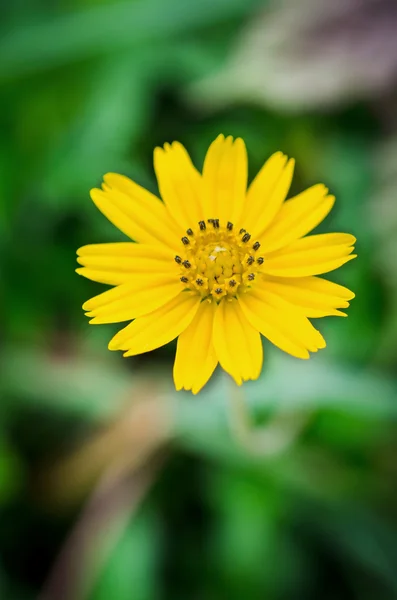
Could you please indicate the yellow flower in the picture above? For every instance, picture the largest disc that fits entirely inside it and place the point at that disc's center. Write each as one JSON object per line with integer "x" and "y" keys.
{"x": 215, "y": 263}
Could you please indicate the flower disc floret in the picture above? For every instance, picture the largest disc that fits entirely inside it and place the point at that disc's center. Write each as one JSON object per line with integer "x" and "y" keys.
{"x": 218, "y": 262}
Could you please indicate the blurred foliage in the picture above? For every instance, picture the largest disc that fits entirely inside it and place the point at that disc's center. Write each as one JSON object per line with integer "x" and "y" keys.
{"x": 90, "y": 86}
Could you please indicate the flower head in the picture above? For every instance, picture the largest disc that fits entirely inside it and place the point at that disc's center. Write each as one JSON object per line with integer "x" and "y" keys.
{"x": 215, "y": 263}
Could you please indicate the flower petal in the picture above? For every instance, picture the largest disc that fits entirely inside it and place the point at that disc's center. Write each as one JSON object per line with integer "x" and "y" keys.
{"x": 225, "y": 175}
{"x": 139, "y": 296}
{"x": 135, "y": 211}
{"x": 311, "y": 255}
{"x": 237, "y": 344}
{"x": 267, "y": 193}
{"x": 179, "y": 184}
{"x": 195, "y": 359}
{"x": 117, "y": 263}
{"x": 297, "y": 217}
{"x": 281, "y": 323}
{"x": 158, "y": 327}
{"x": 314, "y": 296}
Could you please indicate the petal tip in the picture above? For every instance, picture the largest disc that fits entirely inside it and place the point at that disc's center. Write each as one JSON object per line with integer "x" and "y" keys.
{"x": 159, "y": 151}
{"x": 87, "y": 306}
{"x": 291, "y": 163}
{"x": 111, "y": 175}
{"x": 219, "y": 138}
{"x": 96, "y": 194}
{"x": 197, "y": 387}
{"x": 177, "y": 383}
{"x": 330, "y": 198}
{"x": 113, "y": 345}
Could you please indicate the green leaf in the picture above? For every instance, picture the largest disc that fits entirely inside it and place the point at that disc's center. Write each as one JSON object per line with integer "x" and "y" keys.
{"x": 115, "y": 114}
{"x": 107, "y": 28}
{"x": 130, "y": 571}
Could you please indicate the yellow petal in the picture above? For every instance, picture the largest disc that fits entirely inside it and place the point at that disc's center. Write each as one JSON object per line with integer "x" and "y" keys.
{"x": 195, "y": 359}
{"x": 237, "y": 344}
{"x": 179, "y": 184}
{"x": 316, "y": 297}
{"x": 139, "y": 296}
{"x": 297, "y": 217}
{"x": 311, "y": 255}
{"x": 157, "y": 328}
{"x": 117, "y": 263}
{"x": 101, "y": 276}
{"x": 125, "y": 249}
{"x": 281, "y": 323}
{"x": 135, "y": 211}
{"x": 225, "y": 175}
{"x": 267, "y": 193}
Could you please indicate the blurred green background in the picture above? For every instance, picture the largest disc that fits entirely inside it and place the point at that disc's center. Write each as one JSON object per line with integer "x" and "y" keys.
{"x": 111, "y": 484}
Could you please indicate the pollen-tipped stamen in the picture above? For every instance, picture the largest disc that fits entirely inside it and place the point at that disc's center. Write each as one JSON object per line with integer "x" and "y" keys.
{"x": 215, "y": 263}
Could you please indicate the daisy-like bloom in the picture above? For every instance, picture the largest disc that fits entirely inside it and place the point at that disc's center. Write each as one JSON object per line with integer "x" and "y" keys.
{"x": 215, "y": 263}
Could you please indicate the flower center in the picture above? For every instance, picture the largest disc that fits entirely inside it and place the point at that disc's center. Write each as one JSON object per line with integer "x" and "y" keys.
{"x": 218, "y": 262}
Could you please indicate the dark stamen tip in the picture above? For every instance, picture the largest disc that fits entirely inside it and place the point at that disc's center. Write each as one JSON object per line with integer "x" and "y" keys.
{"x": 199, "y": 281}
{"x": 186, "y": 264}
{"x": 202, "y": 225}
{"x": 250, "y": 260}
{"x": 256, "y": 246}
{"x": 184, "y": 279}
{"x": 246, "y": 238}
{"x": 251, "y": 277}
{"x": 242, "y": 230}
{"x": 189, "y": 231}
{"x": 178, "y": 259}
{"x": 229, "y": 225}
{"x": 185, "y": 240}
{"x": 260, "y": 260}
{"x": 214, "y": 223}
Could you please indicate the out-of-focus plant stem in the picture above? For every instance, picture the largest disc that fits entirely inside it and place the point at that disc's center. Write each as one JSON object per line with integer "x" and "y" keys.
{"x": 276, "y": 436}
